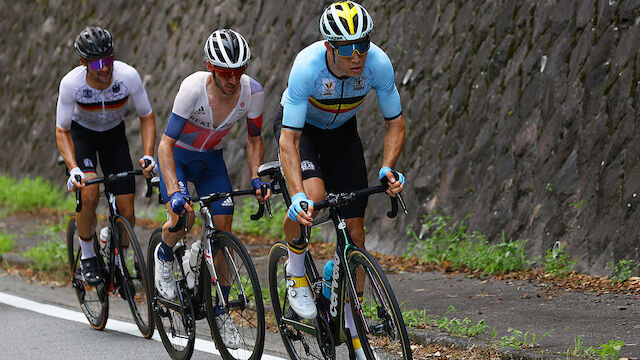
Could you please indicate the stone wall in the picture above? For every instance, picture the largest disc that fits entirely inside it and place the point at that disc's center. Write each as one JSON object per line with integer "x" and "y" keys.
{"x": 519, "y": 113}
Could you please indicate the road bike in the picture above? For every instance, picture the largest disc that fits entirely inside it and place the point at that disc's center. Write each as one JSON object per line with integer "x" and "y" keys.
{"x": 377, "y": 316}
{"x": 120, "y": 262}
{"x": 199, "y": 283}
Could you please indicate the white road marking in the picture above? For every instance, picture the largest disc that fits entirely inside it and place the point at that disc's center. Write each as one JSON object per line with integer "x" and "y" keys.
{"x": 112, "y": 324}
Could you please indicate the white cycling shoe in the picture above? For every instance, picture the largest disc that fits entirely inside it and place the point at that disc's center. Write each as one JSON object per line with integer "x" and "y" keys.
{"x": 300, "y": 297}
{"x": 228, "y": 331}
{"x": 165, "y": 281}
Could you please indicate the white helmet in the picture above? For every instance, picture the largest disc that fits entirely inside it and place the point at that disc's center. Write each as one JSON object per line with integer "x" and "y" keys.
{"x": 227, "y": 48}
{"x": 345, "y": 21}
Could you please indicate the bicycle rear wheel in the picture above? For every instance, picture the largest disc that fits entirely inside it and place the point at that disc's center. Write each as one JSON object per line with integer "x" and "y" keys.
{"x": 176, "y": 325}
{"x": 135, "y": 281}
{"x": 94, "y": 301}
{"x": 244, "y": 304}
{"x": 303, "y": 339}
{"x": 380, "y": 325}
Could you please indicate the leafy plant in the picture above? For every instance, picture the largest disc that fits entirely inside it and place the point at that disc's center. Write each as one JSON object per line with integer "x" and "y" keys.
{"x": 28, "y": 194}
{"x": 581, "y": 350}
{"x": 419, "y": 318}
{"x": 556, "y": 262}
{"x": 610, "y": 350}
{"x": 443, "y": 240}
{"x": 264, "y": 226}
{"x": 622, "y": 270}
{"x": 47, "y": 255}
{"x": 521, "y": 339}
{"x": 6, "y": 243}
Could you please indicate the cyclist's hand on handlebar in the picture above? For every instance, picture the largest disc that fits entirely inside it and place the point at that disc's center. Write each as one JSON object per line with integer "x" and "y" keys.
{"x": 256, "y": 183}
{"x": 295, "y": 210}
{"x": 152, "y": 169}
{"x": 395, "y": 184}
{"x": 72, "y": 183}
{"x": 180, "y": 202}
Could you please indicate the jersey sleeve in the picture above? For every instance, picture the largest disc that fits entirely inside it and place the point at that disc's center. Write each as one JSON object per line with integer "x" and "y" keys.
{"x": 296, "y": 97}
{"x": 386, "y": 90}
{"x": 64, "y": 108}
{"x": 186, "y": 98}
{"x": 254, "y": 115}
{"x": 137, "y": 92}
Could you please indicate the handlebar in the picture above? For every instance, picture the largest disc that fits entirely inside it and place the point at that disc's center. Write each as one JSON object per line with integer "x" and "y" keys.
{"x": 107, "y": 180}
{"x": 206, "y": 200}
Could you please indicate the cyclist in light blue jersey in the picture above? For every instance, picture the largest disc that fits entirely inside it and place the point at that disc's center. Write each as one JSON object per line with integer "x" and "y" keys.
{"x": 320, "y": 149}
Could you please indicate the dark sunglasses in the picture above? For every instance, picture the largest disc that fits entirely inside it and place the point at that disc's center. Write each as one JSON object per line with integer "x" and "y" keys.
{"x": 99, "y": 64}
{"x": 348, "y": 50}
{"x": 227, "y": 73}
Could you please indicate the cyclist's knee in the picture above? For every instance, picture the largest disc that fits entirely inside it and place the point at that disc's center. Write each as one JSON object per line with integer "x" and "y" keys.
{"x": 90, "y": 200}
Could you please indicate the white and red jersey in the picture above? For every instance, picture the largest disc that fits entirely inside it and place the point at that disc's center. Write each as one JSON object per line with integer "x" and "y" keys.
{"x": 191, "y": 122}
{"x": 100, "y": 110}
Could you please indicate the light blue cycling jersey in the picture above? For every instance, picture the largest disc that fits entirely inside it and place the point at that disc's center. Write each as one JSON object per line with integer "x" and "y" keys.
{"x": 316, "y": 96}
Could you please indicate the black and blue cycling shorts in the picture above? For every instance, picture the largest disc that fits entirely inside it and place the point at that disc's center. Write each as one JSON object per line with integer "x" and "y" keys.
{"x": 335, "y": 156}
{"x": 206, "y": 171}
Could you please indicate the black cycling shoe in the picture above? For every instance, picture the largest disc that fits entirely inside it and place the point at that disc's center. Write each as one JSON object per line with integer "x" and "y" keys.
{"x": 90, "y": 271}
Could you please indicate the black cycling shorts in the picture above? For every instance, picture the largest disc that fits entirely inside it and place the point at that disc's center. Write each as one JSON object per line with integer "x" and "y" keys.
{"x": 336, "y": 157}
{"x": 111, "y": 147}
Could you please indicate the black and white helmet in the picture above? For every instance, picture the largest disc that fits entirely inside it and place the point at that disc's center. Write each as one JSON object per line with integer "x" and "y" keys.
{"x": 93, "y": 42}
{"x": 345, "y": 21}
{"x": 227, "y": 48}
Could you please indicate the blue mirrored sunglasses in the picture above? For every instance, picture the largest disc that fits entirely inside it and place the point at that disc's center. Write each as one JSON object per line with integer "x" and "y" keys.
{"x": 348, "y": 50}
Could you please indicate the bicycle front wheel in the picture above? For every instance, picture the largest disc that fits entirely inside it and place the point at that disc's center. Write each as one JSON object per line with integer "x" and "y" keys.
{"x": 176, "y": 325}
{"x": 238, "y": 329}
{"x": 94, "y": 301}
{"x": 379, "y": 324}
{"x": 135, "y": 280}
{"x": 303, "y": 339}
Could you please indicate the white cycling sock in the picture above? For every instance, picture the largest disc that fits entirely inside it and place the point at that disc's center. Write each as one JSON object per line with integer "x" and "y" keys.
{"x": 86, "y": 245}
{"x": 295, "y": 266}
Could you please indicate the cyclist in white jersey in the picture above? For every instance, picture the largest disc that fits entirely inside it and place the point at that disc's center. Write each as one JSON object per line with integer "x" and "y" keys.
{"x": 320, "y": 148}
{"x": 207, "y": 106}
{"x": 90, "y": 123}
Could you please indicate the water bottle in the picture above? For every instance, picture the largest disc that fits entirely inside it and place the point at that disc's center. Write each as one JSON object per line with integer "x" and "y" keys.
{"x": 193, "y": 259}
{"x": 104, "y": 240}
{"x": 327, "y": 274}
{"x": 190, "y": 277}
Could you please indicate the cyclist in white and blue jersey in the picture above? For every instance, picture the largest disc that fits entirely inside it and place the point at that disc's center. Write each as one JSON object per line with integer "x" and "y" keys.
{"x": 316, "y": 129}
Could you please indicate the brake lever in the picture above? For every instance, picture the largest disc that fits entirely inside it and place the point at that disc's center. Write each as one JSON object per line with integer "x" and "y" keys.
{"x": 78, "y": 195}
{"x": 267, "y": 203}
{"x": 304, "y": 230}
{"x": 147, "y": 162}
{"x": 181, "y": 223}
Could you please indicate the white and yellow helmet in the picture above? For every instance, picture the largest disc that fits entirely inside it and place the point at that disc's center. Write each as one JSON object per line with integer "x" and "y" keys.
{"x": 345, "y": 21}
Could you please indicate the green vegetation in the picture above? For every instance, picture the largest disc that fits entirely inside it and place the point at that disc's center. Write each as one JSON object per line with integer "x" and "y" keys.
{"x": 521, "y": 340}
{"x": 444, "y": 241}
{"x": 556, "y": 262}
{"x": 622, "y": 270}
{"x": 419, "y": 318}
{"x": 50, "y": 254}
{"x": 29, "y": 194}
{"x": 265, "y": 226}
{"x": 608, "y": 351}
{"x": 6, "y": 243}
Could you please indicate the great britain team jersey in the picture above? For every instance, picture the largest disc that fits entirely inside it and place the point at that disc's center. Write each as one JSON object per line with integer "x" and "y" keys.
{"x": 316, "y": 96}
{"x": 100, "y": 110}
{"x": 191, "y": 122}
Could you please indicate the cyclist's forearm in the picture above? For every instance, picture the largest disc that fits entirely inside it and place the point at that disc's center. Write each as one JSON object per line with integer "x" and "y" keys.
{"x": 393, "y": 141}
{"x": 65, "y": 147}
{"x": 148, "y": 132}
{"x": 167, "y": 164}
{"x": 290, "y": 160}
{"x": 255, "y": 153}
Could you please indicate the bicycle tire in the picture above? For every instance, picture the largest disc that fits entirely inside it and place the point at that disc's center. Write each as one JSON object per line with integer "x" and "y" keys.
{"x": 380, "y": 325}
{"x": 177, "y": 339}
{"x": 94, "y": 300}
{"x": 300, "y": 344}
{"x": 244, "y": 305}
{"x": 135, "y": 279}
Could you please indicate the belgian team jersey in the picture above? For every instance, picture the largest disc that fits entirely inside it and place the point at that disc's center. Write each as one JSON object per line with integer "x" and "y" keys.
{"x": 100, "y": 110}
{"x": 316, "y": 96}
{"x": 191, "y": 122}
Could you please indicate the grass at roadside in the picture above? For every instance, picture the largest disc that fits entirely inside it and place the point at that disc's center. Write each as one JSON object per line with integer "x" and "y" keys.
{"x": 28, "y": 194}
{"x": 6, "y": 243}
